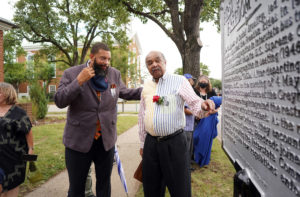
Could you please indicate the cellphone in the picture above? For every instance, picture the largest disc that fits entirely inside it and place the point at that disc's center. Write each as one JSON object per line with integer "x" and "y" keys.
{"x": 27, "y": 157}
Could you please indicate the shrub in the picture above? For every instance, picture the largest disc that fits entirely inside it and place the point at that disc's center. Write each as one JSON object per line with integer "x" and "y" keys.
{"x": 39, "y": 100}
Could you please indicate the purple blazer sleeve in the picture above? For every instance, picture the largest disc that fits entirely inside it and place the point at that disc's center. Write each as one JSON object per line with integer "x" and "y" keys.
{"x": 129, "y": 93}
{"x": 68, "y": 88}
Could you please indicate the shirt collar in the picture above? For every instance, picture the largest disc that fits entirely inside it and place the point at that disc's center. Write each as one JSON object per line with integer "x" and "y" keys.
{"x": 88, "y": 63}
{"x": 164, "y": 77}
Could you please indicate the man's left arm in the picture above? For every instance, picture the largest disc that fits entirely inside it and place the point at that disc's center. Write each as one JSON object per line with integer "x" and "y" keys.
{"x": 129, "y": 93}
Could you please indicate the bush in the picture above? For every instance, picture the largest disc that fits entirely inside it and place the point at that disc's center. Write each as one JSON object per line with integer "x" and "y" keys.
{"x": 39, "y": 101}
{"x": 50, "y": 96}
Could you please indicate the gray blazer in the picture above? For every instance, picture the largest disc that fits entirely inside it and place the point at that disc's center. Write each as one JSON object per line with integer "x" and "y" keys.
{"x": 85, "y": 108}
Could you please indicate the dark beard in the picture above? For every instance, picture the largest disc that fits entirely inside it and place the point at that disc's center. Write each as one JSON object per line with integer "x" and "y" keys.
{"x": 99, "y": 71}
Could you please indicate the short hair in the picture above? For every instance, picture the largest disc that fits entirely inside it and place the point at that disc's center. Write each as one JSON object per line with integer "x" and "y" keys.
{"x": 97, "y": 46}
{"x": 9, "y": 93}
{"x": 209, "y": 87}
{"x": 160, "y": 53}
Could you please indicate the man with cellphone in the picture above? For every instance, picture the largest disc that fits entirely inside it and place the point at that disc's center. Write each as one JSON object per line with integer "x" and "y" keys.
{"x": 91, "y": 92}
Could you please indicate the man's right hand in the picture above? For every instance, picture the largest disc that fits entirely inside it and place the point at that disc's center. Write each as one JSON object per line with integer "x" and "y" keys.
{"x": 86, "y": 73}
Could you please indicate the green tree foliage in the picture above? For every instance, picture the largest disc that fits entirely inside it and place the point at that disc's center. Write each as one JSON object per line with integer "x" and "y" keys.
{"x": 14, "y": 73}
{"x": 39, "y": 100}
{"x": 122, "y": 59}
{"x": 12, "y": 46}
{"x": 119, "y": 60}
{"x": 66, "y": 28}
{"x": 46, "y": 74}
{"x": 178, "y": 71}
{"x": 43, "y": 69}
{"x": 216, "y": 83}
{"x": 204, "y": 70}
{"x": 180, "y": 20}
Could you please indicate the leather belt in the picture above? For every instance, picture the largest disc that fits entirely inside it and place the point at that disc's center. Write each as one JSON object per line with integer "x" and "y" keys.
{"x": 164, "y": 138}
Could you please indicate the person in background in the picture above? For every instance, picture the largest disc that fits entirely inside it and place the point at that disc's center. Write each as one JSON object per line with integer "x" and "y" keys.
{"x": 204, "y": 88}
{"x": 206, "y": 126}
{"x": 161, "y": 122}
{"x": 16, "y": 140}
{"x": 189, "y": 118}
{"x": 91, "y": 92}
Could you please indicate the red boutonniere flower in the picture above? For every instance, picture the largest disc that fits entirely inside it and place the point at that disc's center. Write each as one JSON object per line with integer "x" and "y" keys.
{"x": 157, "y": 99}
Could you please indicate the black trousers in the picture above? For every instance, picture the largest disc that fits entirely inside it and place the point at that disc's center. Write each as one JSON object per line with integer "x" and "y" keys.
{"x": 78, "y": 165}
{"x": 166, "y": 163}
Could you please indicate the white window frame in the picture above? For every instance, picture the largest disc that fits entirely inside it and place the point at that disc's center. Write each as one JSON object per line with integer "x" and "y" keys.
{"x": 49, "y": 88}
{"x": 28, "y": 89}
{"x": 30, "y": 60}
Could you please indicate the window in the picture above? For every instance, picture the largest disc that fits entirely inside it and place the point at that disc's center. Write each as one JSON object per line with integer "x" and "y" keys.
{"x": 52, "y": 88}
{"x": 28, "y": 89}
{"x": 52, "y": 64}
{"x": 30, "y": 61}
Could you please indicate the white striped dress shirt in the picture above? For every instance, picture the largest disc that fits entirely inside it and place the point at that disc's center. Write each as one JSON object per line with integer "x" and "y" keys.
{"x": 166, "y": 118}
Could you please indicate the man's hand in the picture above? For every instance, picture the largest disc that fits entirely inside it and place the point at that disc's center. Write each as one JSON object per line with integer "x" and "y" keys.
{"x": 141, "y": 152}
{"x": 208, "y": 105}
{"x": 86, "y": 74}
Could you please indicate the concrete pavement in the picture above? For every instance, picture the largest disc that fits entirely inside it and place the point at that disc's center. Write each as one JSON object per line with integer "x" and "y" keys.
{"x": 128, "y": 147}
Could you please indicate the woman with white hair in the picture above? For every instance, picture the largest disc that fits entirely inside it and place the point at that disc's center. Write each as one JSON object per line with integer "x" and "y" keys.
{"x": 16, "y": 140}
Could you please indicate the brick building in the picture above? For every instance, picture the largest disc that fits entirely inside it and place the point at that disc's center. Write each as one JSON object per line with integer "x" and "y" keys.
{"x": 31, "y": 50}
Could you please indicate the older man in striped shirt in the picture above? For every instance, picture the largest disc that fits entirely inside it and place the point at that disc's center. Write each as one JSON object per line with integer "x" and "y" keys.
{"x": 161, "y": 122}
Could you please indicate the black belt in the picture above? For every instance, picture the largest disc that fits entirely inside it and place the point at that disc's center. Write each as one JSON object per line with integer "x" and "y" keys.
{"x": 164, "y": 138}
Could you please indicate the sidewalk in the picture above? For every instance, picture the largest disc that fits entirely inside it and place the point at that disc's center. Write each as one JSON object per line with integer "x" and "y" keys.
{"x": 128, "y": 147}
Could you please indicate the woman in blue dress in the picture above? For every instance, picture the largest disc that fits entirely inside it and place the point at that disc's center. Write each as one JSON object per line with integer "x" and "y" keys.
{"x": 206, "y": 127}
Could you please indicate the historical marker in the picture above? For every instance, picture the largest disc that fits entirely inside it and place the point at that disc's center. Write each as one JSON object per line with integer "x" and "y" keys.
{"x": 261, "y": 92}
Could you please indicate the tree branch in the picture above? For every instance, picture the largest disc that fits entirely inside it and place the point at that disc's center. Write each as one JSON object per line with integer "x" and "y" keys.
{"x": 192, "y": 11}
{"x": 176, "y": 23}
{"x": 44, "y": 39}
{"x": 88, "y": 40}
{"x": 148, "y": 15}
{"x": 64, "y": 61}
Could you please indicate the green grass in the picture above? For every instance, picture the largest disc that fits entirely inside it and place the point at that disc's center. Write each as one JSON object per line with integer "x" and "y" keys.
{"x": 125, "y": 122}
{"x": 214, "y": 180}
{"x": 57, "y": 113}
{"x": 131, "y": 102}
{"x": 50, "y": 149}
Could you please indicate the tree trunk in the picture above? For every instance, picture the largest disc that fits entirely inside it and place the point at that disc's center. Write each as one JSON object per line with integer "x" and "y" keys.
{"x": 191, "y": 59}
